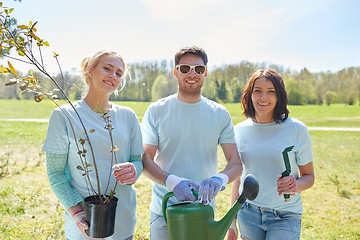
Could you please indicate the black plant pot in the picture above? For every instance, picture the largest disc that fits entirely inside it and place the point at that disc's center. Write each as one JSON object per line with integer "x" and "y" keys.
{"x": 100, "y": 217}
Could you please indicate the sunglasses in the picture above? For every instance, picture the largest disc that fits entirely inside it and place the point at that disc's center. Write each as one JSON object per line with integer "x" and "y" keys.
{"x": 185, "y": 68}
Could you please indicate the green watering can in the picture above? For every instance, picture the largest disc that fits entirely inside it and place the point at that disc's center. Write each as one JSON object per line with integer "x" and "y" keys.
{"x": 194, "y": 220}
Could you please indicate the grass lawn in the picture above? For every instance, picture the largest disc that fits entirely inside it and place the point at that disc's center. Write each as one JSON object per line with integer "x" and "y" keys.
{"x": 29, "y": 209}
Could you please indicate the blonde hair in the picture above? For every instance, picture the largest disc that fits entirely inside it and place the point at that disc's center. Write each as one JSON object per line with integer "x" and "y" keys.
{"x": 90, "y": 63}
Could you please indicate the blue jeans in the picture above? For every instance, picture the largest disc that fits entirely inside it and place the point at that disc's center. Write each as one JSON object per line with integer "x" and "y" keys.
{"x": 257, "y": 223}
{"x": 158, "y": 228}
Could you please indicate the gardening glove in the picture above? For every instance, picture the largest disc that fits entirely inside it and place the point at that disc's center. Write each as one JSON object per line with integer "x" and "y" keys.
{"x": 79, "y": 218}
{"x": 181, "y": 187}
{"x": 125, "y": 173}
{"x": 210, "y": 187}
{"x": 232, "y": 233}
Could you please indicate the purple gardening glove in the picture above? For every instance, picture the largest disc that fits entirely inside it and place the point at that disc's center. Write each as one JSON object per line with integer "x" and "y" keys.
{"x": 181, "y": 187}
{"x": 210, "y": 187}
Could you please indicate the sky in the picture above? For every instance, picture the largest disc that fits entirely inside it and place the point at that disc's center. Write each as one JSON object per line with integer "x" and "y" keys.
{"x": 321, "y": 35}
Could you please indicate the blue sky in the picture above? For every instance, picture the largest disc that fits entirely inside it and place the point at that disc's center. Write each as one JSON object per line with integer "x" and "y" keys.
{"x": 322, "y": 35}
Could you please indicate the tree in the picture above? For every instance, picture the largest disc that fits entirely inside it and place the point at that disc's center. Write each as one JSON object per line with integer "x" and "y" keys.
{"x": 295, "y": 96}
{"x": 209, "y": 89}
{"x": 223, "y": 92}
{"x": 330, "y": 97}
{"x": 164, "y": 85}
{"x": 236, "y": 88}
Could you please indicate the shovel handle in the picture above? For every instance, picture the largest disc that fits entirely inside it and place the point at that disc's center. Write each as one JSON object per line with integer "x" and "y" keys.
{"x": 287, "y": 168}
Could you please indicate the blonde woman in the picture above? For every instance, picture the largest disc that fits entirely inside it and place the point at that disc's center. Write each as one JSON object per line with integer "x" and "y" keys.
{"x": 104, "y": 73}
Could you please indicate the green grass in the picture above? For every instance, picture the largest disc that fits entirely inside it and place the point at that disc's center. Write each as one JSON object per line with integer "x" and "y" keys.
{"x": 29, "y": 209}
{"x": 337, "y": 115}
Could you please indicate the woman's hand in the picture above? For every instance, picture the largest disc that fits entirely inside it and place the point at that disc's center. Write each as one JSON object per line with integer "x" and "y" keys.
{"x": 287, "y": 185}
{"x": 232, "y": 233}
{"x": 125, "y": 173}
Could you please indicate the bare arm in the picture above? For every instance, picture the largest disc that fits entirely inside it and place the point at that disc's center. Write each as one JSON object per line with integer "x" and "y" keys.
{"x": 235, "y": 191}
{"x": 151, "y": 169}
{"x": 233, "y": 167}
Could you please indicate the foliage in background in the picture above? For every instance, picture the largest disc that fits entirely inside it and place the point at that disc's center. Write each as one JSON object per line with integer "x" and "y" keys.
{"x": 223, "y": 84}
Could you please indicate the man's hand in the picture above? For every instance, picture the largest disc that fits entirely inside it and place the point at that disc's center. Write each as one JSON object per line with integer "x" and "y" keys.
{"x": 210, "y": 187}
{"x": 181, "y": 187}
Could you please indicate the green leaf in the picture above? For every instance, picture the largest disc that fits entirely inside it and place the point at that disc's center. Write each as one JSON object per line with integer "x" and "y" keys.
{"x": 98, "y": 109}
{"x": 21, "y": 53}
{"x": 4, "y": 70}
{"x": 12, "y": 69}
{"x": 38, "y": 97}
{"x": 92, "y": 130}
{"x": 11, "y": 82}
{"x": 80, "y": 168}
{"x": 23, "y": 86}
{"x": 23, "y": 27}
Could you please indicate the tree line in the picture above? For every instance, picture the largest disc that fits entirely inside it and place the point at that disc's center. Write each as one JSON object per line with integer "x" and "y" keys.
{"x": 151, "y": 80}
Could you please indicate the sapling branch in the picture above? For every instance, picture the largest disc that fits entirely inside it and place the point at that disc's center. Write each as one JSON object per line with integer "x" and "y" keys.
{"x": 31, "y": 83}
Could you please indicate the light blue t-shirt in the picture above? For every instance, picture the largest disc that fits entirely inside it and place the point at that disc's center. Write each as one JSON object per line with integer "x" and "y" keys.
{"x": 187, "y": 136}
{"x": 260, "y": 147}
{"x": 126, "y": 136}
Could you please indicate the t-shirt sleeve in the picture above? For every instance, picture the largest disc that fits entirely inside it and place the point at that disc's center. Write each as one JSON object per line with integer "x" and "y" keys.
{"x": 227, "y": 134}
{"x": 305, "y": 154}
{"x": 136, "y": 137}
{"x": 150, "y": 134}
{"x": 57, "y": 140}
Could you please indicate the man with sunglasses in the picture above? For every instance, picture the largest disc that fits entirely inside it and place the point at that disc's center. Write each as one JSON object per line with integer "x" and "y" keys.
{"x": 183, "y": 131}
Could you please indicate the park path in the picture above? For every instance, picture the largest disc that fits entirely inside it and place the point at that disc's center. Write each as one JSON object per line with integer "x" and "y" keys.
{"x": 310, "y": 128}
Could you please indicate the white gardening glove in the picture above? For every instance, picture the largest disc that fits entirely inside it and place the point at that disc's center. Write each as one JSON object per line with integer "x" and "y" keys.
{"x": 210, "y": 187}
{"x": 181, "y": 187}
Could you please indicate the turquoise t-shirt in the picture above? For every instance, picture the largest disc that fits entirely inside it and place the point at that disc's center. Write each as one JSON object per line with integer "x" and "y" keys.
{"x": 260, "y": 147}
{"x": 187, "y": 136}
{"x": 126, "y": 136}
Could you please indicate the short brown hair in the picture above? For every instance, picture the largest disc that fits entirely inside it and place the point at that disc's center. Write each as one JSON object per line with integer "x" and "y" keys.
{"x": 191, "y": 50}
{"x": 281, "y": 112}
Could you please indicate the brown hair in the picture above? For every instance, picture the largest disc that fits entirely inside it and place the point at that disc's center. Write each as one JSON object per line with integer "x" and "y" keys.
{"x": 281, "y": 112}
{"x": 191, "y": 50}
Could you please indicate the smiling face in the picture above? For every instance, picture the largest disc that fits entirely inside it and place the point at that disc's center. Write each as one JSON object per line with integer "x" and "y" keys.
{"x": 190, "y": 84}
{"x": 264, "y": 100}
{"x": 105, "y": 76}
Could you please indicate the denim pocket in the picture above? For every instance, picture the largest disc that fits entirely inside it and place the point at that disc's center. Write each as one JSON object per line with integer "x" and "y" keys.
{"x": 286, "y": 215}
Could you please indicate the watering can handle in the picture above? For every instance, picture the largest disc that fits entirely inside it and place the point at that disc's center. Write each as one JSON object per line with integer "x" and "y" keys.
{"x": 166, "y": 198}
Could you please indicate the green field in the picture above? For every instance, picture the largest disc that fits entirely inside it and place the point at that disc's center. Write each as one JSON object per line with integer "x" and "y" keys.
{"x": 29, "y": 210}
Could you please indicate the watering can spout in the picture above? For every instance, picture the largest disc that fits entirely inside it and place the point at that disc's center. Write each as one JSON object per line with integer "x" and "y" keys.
{"x": 250, "y": 191}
